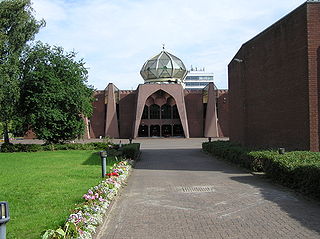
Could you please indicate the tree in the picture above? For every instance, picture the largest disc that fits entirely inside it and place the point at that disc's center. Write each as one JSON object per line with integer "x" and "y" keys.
{"x": 17, "y": 27}
{"x": 54, "y": 94}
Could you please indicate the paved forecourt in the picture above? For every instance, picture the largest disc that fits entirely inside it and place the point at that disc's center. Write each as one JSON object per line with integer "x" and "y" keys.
{"x": 177, "y": 191}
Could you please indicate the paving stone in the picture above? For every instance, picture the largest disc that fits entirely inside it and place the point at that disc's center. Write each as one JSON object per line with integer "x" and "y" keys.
{"x": 219, "y": 200}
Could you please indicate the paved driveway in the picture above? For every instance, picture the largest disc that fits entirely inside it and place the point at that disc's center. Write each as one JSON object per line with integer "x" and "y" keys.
{"x": 176, "y": 191}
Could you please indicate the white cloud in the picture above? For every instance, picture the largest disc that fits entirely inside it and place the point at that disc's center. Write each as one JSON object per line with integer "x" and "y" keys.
{"x": 116, "y": 37}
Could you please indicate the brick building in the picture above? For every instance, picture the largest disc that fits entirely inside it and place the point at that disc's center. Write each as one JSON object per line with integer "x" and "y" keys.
{"x": 274, "y": 84}
{"x": 160, "y": 107}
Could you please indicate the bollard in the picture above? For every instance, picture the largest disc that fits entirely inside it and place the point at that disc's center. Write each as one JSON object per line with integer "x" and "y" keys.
{"x": 4, "y": 218}
{"x": 103, "y": 156}
{"x": 209, "y": 139}
{"x": 130, "y": 140}
{"x": 281, "y": 150}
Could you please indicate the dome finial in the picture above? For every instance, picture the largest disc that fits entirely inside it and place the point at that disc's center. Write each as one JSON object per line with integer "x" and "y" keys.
{"x": 163, "y": 46}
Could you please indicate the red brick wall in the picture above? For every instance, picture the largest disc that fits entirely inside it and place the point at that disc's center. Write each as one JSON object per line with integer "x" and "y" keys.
{"x": 127, "y": 107}
{"x": 313, "y": 11}
{"x": 236, "y": 102}
{"x": 268, "y": 90}
{"x": 97, "y": 120}
{"x": 194, "y": 108}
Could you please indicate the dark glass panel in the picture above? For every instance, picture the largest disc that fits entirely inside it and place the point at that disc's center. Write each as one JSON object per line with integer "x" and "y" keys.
{"x": 166, "y": 111}
{"x": 154, "y": 111}
{"x": 145, "y": 112}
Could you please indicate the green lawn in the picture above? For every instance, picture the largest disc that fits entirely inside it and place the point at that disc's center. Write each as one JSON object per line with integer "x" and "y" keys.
{"x": 43, "y": 187}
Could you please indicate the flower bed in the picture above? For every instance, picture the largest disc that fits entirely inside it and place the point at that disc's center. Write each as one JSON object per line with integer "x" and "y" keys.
{"x": 83, "y": 222}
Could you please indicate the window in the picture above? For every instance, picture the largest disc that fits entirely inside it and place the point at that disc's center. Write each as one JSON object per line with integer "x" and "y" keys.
{"x": 175, "y": 113}
{"x": 154, "y": 111}
{"x": 166, "y": 111}
{"x": 145, "y": 112}
{"x": 196, "y": 83}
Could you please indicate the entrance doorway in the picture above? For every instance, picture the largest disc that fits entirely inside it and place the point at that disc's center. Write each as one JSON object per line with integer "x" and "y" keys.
{"x": 178, "y": 130}
{"x": 166, "y": 130}
{"x": 154, "y": 130}
{"x": 143, "y": 131}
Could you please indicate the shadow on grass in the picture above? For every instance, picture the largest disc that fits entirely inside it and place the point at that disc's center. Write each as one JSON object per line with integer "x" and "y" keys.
{"x": 93, "y": 159}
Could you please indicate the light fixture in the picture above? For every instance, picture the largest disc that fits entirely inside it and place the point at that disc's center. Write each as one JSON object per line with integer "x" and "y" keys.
{"x": 103, "y": 156}
{"x": 238, "y": 60}
{"x": 4, "y": 218}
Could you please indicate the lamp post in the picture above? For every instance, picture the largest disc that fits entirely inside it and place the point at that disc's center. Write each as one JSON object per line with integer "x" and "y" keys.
{"x": 103, "y": 156}
{"x": 4, "y": 218}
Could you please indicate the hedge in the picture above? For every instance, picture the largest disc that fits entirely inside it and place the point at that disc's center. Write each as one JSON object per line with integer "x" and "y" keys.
{"x": 299, "y": 170}
{"x": 10, "y": 148}
{"x": 131, "y": 151}
{"x": 234, "y": 153}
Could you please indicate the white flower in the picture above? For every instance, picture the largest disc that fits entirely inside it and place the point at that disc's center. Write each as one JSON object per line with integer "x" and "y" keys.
{"x": 90, "y": 214}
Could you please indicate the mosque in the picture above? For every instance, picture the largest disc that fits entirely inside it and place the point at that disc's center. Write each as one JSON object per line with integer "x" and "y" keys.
{"x": 161, "y": 107}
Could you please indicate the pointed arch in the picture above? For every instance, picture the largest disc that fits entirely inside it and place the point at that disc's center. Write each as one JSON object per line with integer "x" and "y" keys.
{"x": 173, "y": 90}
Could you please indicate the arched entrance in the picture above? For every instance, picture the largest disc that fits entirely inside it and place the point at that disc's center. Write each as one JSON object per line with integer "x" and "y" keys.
{"x": 160, "y": 117}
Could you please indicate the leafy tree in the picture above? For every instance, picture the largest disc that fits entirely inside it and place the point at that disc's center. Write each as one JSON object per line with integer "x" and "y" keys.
{"x": 54, "y": 93}
{"x": 17, "y": 27}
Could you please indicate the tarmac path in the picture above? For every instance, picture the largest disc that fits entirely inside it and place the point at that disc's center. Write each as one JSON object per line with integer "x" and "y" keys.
{"x": 177, "y": 191}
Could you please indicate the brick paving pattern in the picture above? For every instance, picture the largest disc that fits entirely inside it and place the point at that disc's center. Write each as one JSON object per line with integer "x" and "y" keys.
{"x": 184, "y": 193}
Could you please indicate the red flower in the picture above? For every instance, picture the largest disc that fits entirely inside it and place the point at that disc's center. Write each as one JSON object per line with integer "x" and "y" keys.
{"x": 112, "y": 174}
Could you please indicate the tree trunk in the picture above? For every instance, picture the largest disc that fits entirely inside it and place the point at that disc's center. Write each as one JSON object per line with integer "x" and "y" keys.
{"x": 6, "y": 132}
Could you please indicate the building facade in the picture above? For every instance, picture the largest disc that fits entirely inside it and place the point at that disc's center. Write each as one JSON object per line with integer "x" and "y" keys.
{"x": 197, "y": 79}
{"x": 274, "y": 84}
{"x": 161, "y": 107}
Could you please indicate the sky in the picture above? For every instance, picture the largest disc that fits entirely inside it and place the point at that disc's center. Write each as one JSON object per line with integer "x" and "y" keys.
{"x": 116, "y": 37}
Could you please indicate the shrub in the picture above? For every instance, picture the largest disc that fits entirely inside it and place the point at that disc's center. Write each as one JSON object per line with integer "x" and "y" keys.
{"x": 8, "y": 148}
{"x": 131, "y": 151}
{"x": 100, "y": 145}
{"x": 28, "y": 147}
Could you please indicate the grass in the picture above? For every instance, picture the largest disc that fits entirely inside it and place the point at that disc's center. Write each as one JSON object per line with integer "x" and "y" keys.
{"x": 43, "y": 187}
